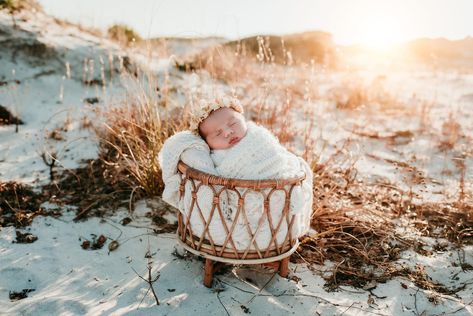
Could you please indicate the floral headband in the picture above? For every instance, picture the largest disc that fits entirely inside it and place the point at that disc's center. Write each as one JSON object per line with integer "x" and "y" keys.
{"x": 204, "y": 107}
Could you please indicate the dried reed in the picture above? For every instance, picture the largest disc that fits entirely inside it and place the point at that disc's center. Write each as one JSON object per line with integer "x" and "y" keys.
{"x": 131, "y": 140}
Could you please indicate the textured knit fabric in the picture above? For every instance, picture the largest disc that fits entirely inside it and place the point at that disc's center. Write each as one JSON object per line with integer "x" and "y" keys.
{"x": 189, "y": 148}
{"x": 257, "y": 156}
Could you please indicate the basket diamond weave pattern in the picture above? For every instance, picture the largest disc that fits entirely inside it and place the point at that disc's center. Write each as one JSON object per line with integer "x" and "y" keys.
{"x": 273, "y": 220}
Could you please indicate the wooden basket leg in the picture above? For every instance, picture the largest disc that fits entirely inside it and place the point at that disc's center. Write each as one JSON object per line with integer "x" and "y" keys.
{"x": 284, "y": 267}
{"x": 208, "y": 272}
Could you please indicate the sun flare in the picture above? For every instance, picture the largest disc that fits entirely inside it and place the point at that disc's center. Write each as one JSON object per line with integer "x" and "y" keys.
{"x": 379, "y": 33}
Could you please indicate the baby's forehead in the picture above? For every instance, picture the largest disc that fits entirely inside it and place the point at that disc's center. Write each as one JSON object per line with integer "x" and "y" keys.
{"x": 225, "y": 111}
{"x": 221, "y": 115}
{"x": 216, "y": 119}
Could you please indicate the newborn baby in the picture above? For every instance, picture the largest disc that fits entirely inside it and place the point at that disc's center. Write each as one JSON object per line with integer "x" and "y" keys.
{"x": 240, "y": 150}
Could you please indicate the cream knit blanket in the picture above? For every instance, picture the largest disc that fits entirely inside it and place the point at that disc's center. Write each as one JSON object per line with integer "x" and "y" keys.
{"x": 257, "y": 156}
{"x": 193, "y": 151}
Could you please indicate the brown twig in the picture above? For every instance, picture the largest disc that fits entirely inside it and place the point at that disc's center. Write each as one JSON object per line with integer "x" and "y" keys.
{"x": 150, "y": 279}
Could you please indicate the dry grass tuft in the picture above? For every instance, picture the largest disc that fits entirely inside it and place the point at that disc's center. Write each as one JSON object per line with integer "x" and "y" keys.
{"x": 130, "y": 137}
{"x": 91, "y": 188}
{"x": 223, "y": 63}
{"x": 451, "y": 221}
{"x": 353, "y": 93}
{"x": 130, "y": 142}
{"x": 356, "y": 233}
{"x": 451, "y": 134}
{"x": 20, "y": 204}
{"x": 353, "y": 227}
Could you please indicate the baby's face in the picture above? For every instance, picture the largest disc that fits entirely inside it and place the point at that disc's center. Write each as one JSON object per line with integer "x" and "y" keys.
{"x": 223, "y": 128}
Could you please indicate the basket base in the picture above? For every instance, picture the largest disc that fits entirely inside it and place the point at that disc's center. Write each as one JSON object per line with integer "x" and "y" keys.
{"x": 213, "y": 263}
{"x": 239, "y": 261}
{"x": 282, "y": 266}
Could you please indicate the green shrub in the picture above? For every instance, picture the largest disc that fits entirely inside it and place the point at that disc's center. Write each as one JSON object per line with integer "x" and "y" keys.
{"x": 11, "y": 5}
{"x": 17, "y": 5}
{"x": 123, "y": 34}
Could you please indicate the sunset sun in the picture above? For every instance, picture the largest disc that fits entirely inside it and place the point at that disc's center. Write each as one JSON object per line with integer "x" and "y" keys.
{"x": 379, "y": 33}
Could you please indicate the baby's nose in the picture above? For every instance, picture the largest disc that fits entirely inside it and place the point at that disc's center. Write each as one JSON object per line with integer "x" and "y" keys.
{"x": 228, "y": 132}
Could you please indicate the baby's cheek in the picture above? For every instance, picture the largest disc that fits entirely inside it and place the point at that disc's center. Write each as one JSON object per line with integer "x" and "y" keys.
{"x": 221, "y": 143}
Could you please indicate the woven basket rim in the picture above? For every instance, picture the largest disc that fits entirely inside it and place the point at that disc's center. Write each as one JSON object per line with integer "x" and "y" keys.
{"x": 224, "y": 259}
{"x": 207, "y": 179}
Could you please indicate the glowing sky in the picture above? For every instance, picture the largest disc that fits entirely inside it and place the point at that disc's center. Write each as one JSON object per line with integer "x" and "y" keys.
{"x": 371, "y": 22}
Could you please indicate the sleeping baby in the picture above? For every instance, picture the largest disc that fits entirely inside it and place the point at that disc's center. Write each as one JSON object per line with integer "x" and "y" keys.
{"x": 220, "y": 142}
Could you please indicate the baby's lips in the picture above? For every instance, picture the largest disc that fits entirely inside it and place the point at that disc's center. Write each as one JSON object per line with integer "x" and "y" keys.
{"x": 233, "y": 140}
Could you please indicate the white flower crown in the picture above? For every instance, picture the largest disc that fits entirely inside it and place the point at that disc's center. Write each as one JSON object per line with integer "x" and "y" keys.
{"x": 204, "y": 107}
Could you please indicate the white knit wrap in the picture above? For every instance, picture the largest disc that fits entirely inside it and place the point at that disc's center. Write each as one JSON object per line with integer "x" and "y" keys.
{"x": 258, "y": 155}
{"x": 189, "y": 148}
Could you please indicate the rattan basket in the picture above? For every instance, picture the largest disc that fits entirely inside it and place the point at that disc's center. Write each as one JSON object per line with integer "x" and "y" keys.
{"x": 282, "y": 242}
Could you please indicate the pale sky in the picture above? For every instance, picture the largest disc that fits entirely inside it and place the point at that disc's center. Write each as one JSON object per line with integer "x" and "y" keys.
{"x": 376, "y": 22}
